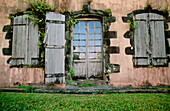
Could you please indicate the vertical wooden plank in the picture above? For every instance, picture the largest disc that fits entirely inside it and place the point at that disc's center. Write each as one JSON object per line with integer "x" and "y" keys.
{"x": 158, "y": 40}
{"x": 54, "y": 51}
{"x": 33, "y": 47}
{"x": 141, "y": 41}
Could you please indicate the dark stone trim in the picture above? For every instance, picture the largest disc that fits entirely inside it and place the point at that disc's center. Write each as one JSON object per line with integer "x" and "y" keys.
{"x": 127, "y": 34}
{"x": 167, "y": 34}
{"x": 110, "y": 34}
{"x": 129, "y": 51}
{"x": 113, "y": 50}
{"x": 145, "y": 11}
{"x": 7, "y": 51}
{"x": 113, "y": 68}
{"x": 166, "y": 26}
{"x": 168, "y": 19}
{"x": 125, "y": 19}
{"x": 112, "y": 19}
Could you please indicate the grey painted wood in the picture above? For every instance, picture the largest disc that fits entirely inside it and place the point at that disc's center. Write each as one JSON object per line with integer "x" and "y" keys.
{"x": 141, "y": 41}
{"x": 54, "y": 51}
{"x": 158, "y": 40}
{"x": 25, "y": 37}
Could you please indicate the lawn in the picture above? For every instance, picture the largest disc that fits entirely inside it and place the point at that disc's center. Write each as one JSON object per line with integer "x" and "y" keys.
{"x": 97, "y": 102}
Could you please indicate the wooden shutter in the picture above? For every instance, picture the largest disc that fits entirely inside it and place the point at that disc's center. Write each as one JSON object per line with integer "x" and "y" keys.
{"x": 157, "y": 40}
{"x": 54, "y": 50}
{"x": 25, "y": 49}
{"x": 141, "y": 41}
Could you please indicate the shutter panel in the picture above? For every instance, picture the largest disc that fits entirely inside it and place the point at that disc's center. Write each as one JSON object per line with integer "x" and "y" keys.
{"x": 25, "y": 50}
{"x": 20, "y": 34}
{"x": 54, "y": 51}
{"x": 158, "y": 40}
{"x": 141, "y": 41}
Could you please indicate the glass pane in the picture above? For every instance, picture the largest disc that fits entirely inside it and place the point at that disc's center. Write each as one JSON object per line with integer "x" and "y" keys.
{"x": 76, "y": 49}
{"x": 82, "y": 30}
{"x": 97, "y": 30}
{"x": 98, "y": 36}
{"x": 91, "y": 43}
{"x": 76, "y": 25}
{"x": 75, "y": 30}
{"x": 91, "y": 36}
{"x": 82, "y": 24}
{"x": 82, "y": 55}
{"x": 91, "y": 30}
{"x": 82, "y": 36}
{"x": 97, "y": 24}
{"x": 91, "y": 49}
{"x": 97, "y": 42}
{"x": 76, "y": 36}
{"x": 82, "y": 49}
{"x": 75, "y": 43}
{"x": 82, "y": 43}
{"x": 98, "y": 49}
{"x": 91, "y": 24}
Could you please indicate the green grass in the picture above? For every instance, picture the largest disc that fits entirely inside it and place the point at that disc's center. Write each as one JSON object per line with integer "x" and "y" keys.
{"x": 66, "y": 102}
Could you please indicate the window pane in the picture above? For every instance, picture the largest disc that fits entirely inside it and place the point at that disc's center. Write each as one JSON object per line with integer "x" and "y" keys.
{"x": 76, "y": 36}
{"x": 97, "y": 42}
{"x": 82, "y": 36}
{"x": 76, "y": 25}
{"x": 76, "y": 49}
{"x": 82, "y": 30}
{"x": 98, "y": 49}
{"x": 75, "y": 30}
{"x": 91, "y": 24}
{"x": 98, "y": 36}
{"x": 75, "y": 43}
{"x": 82, "y": 24}
{"x": 82, "y": 43}
{"x": 91, "y": 49}
{"x": 82, "y": 55}
{"x": 91, "y": 43}
{"x": 82, "y": 49}
{"x": 91, "y": 30}
{"x": 91, "y": 36}
{"x": 97, "y": 30}
{"x": 97, "y": 24}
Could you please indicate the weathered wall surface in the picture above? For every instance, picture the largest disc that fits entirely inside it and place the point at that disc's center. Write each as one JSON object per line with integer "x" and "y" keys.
{"x": 128, "y": 74}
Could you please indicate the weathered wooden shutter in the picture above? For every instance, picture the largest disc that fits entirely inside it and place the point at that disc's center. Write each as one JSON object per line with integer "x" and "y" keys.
{"x": 141, "y": 41}
{"x": 159, "y": 57}
{"x": 54, "y": 50}
{"x": 25, "y": 50}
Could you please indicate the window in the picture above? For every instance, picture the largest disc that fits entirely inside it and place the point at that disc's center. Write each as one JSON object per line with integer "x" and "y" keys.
{"x": 149, "y": 40}
{"x": 87, "y": 49}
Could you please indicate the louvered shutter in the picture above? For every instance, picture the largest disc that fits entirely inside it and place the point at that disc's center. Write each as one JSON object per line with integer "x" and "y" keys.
{"x": 25, "y": 50}
{"x": 141, "y": 41}
{"x": 54, "y": 50}
{"x": 157, "y": 40}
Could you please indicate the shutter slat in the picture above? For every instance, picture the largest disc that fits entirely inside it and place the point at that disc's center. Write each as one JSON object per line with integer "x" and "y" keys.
{"x": 158, "y": 40}
{"x": 141, "y": 40}
{"x": 54, "y": 56}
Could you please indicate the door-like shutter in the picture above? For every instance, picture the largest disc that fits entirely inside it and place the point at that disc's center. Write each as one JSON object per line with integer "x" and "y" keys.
{"x": 158, "y": 40}
{"x": 25, "y": 49}
{"x": 54, "y": 50}
{"x": 141, "y": 41}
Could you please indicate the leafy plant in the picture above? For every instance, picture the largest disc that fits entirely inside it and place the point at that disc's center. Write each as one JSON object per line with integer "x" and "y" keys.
{"x": 148, "y": 6}
{"x": 132, "y": 24}
{"x": 108, "y": 12}
{"x": 89, "y": 1}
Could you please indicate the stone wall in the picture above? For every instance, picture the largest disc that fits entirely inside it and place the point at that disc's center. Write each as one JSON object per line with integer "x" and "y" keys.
{"x": 128, "y": 75}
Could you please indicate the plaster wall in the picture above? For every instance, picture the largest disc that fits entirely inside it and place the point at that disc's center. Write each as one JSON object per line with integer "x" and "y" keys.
{"x": 128, "y": 75}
